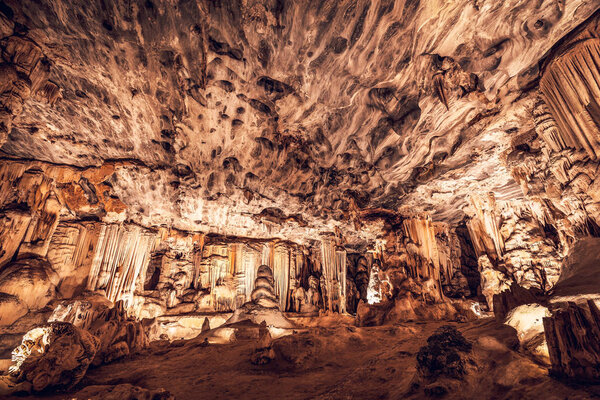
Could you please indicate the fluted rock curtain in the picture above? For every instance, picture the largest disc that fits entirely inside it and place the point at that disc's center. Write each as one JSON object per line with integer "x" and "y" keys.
{"x": 570, "y": 87}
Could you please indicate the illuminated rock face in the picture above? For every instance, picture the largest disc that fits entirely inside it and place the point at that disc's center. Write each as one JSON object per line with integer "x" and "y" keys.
{"x": 54, "y": 356}
{"x": 229, "y": 117}
{"x": 170, "y": 169}
{"x": 215, "y": 160}
{"x": 264, "y": 306}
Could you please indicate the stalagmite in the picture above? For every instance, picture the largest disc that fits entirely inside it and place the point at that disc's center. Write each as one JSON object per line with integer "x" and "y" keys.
{"x": 264, "y": 305}
{"x": 374, "y": 294}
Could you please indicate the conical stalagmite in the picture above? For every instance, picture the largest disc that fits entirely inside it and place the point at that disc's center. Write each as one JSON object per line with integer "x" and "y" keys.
{"x": 264, "y": 306}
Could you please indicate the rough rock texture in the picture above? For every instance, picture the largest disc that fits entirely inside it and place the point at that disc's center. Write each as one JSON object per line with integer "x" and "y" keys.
{"x": 441, "y": 355}
{"x": 348, "y": 105}
{"x": 573, "y": 335}
{"x": 527, "y": 319}
{"x": 399, "y": 131}
{"x": 396, "y": 160}
{"x": 445, "y": 357}
{"x": 118, "y": 335}
{"x": 511, "y": 298}
{"x": 579, "y": 276}
{"x": 56, "y": 356}
{"x": 122, "y": 391}
{"x": 31, "y": 280}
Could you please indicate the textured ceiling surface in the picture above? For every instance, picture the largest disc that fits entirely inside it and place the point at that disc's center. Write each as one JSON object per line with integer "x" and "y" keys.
{"x": 235, "y": 116}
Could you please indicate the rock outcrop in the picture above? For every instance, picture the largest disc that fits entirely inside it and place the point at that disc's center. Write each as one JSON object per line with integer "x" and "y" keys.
{"x": 573, "y": 335}
{"x": 54, "y": 356}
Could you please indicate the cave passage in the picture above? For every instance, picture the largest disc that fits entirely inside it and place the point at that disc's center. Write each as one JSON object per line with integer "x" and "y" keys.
{"x": 354, "y": 199}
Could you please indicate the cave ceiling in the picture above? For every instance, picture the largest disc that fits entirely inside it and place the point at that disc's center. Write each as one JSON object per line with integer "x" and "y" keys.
{"x": 286, "y": 118}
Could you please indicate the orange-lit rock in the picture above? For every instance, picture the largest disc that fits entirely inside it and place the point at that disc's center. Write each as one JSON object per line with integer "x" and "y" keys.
{"x": 351, "y": 174}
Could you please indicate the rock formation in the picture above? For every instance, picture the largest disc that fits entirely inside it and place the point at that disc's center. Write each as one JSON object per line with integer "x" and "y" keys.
{"x": 172, "y": 170}
{"x": 264, "y": 306}
{"x": 56, "y": 356}
{"x": 572, "y": 336}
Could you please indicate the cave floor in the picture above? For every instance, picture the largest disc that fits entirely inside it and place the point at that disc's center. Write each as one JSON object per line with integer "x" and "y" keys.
{"x": 336, "y": 361}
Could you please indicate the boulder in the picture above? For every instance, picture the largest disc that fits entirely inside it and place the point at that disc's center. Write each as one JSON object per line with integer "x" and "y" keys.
{"x": 32, "y": 280}
{"x": 444, "y": 354}
{"x": 573, "y": 336}
{"x": 55, "y": 356}
{"x": 510, "y": 298}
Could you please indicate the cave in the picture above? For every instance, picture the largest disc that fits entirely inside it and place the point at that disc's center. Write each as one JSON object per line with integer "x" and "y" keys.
{"x": 264, "y": 199}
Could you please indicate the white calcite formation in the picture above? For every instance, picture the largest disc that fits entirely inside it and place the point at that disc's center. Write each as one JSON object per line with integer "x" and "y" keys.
{"x": 264, "y": 306}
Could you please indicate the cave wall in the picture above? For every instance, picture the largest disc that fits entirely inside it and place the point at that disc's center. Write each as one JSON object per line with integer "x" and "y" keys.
{"x": 479, "y": 174}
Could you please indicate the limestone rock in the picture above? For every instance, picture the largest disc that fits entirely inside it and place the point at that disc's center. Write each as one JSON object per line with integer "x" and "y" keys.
{"x": 527, "y": 319}
{"x": 118, "y": 335}
{"x": 264, "y": 307}
{"x": 32, "y": 280}
{"x": 573, "y": 335}
{"x": 56, "y": 355}
{"x": 11, "y": 309}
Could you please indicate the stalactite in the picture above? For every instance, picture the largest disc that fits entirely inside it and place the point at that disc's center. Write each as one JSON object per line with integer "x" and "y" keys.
{"x": 334, "y": 274}
{"x": 122, "y": 255}
{"x": 296, "y": 268}
{"x": 251, "y": 260}
{"x": 422, "y": 233}
{"x": 219, "y": 266}
{"x": 545, "y": 126}
{"x": 267, "y": 254}
{"x": 485, "y": 226}
{"x": 198, "y": 249}
{"x": 71, "y": 253}
{"x": 281, "y": 273}
{"x": 571, "y": 88}
{"x": 240, "y": 274}
{"x": 328, "y": 265}
{"x": 340, "y": 266}
{"x": 433, "y": 251}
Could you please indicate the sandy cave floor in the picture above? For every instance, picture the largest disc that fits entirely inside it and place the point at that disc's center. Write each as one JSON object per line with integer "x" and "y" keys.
{"x": 335, "y": 362}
